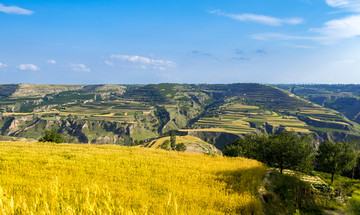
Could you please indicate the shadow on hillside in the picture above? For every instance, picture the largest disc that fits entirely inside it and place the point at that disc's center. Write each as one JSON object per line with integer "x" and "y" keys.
{"x": 242, "y": 180}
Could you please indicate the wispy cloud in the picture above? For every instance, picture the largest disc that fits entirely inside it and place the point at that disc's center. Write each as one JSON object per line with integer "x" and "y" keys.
{"x": 2, "y": 65}
{"x": 239, "y": 52}
{"x": 79, "y": 67}
{"x": 200, "y": 53}
{"x": 109, "y": 63}
{"x": 241, "y": 58}
{"x": 31, "y": 67}
{"x": 332, "y": 31}
{"x": 299, "y": 46}
{"x": 277, "y": 36}
{"x": 351, "y": 5}
{"x": 51, "y": 61}
{"x": 261, "y": 52}
{"x": 15, "y": 10}
{"x": 145, "y": 62}
{"x": 261, "y": 19}
{"x": 339, "y": 29}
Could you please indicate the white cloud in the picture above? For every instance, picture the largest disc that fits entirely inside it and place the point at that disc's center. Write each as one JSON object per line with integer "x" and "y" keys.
{"x": 79, "y": 67}
{"x": 339, "y": 29}
{"x": 31, "y": 67}
{"x": 51, "y": 61}
{"x": 2, "y": 65}
{"x": 15, "y": 10}
{"x": 145, "y": 62}
{"x": 262, "y": 19}
{"x": 351, "y": 5}
{"x": 331, "y": 32}
{"x": 109, "y": 63}
{"x": 276, "y": 36}
{"x": 300, "y": 46}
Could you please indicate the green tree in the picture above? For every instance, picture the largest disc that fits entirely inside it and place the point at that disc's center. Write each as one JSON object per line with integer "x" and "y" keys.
{"x": 51, "y": 136}
{"x": 335, "y": 158}
{"x": 283, "y": 151}
{"x": 173, "y": 140}
{"x": 181, "y": 147}
{"x": 290, "y": 151}
{"x": 166, "y": 145}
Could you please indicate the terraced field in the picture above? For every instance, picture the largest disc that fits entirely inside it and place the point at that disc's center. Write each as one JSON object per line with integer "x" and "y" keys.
{"x": 238, "y": 119}
{"x": 123, "y": 114}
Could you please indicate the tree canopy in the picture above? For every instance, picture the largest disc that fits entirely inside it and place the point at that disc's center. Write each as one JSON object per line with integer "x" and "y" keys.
{"x": 51, "y": 136}
{"x": 286, "y": 150}
{"x": 336, "y": 158}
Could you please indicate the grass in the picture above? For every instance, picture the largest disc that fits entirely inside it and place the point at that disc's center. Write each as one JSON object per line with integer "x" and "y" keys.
{"x": 44, "y": 178}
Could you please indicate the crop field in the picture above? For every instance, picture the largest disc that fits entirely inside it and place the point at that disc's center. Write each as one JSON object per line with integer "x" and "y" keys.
{"x": 323, "y": 115}
{"x": 236, "y": 118}
{"x": 44, "y": 178}
{"x": 121, "y": 110}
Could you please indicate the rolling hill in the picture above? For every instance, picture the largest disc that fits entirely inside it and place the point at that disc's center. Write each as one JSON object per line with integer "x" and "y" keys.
{"x": 126, "y": 114}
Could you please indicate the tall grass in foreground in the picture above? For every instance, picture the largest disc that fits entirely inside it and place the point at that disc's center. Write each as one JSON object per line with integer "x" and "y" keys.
{"x": 82, "y": 179}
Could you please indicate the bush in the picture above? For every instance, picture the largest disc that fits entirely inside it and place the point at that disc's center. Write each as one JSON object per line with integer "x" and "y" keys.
{"x": 51, "y": 136}
{"x": 166, "y": 145}
{"x": 181, "y": 147}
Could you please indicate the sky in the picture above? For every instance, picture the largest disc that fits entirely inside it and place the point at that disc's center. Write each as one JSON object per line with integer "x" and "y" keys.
{"x": 179, "y": 41}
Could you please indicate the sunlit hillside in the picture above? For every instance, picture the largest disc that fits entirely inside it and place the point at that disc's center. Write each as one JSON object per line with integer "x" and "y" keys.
{"x": 193, "y": 144}
{"x": 68, "y": 179}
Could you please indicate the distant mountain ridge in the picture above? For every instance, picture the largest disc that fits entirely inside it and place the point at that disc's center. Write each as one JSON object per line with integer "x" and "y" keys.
{"x": 216, "y": 113}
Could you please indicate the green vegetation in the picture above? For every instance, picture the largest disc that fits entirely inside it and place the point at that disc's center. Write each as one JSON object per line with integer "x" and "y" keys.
{"x": 291, "y": 194}
{"x": 283, "y": 151}
{"x": 51, "y": 136}
{"x": 336, "y": 158}
{"x": 122, "y": 114}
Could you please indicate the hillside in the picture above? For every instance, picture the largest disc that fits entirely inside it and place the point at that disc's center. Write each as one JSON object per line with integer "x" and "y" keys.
{"x": 87, "y": 179}
{"x": 116, "y": 114}
{"x": 340, "y": 97}
{"x": 193, "y": 144}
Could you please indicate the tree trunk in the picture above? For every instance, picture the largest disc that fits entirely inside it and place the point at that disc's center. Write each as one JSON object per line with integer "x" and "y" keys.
{"x": 332, "y": 177}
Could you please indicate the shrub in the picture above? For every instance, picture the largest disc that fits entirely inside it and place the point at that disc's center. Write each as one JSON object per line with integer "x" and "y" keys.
{"x": 51, "y": 136}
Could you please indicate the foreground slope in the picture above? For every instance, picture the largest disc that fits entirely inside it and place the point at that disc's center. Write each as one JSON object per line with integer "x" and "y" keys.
{"x": 67, "y": 179}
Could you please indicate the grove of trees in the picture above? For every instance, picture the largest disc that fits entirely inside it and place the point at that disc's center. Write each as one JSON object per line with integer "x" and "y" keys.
{"x": 288, "y": 150}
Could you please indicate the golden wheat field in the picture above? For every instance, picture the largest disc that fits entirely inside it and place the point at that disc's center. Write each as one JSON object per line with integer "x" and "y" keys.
{"x": 46, "y": 178}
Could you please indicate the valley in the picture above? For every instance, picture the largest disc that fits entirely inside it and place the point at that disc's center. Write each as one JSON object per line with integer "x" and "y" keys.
{"x": 125, "y": 114}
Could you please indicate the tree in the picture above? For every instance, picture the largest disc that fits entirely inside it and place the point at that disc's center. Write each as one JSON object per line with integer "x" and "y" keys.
{"x": 283, "y": 151}
{"x": 166, "y": 145}
{"x": 181, "y": 147}
{"x": 173, "y": 140}
{"x": 289, "y": 151}
{"x": 335, "y": 158}
{"x": 51, "y": 136}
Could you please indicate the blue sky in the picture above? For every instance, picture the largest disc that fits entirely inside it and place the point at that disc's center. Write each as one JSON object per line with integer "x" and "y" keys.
{"x": 182, "y": 41}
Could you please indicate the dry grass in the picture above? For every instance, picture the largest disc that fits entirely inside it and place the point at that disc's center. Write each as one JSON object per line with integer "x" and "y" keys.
{"x": 44, "y": 178}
